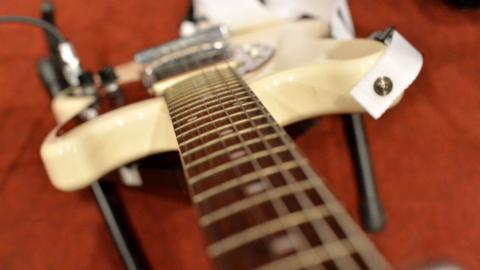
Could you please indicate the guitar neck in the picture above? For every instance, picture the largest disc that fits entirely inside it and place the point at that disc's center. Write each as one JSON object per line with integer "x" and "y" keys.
{"x": 259, "y": 203}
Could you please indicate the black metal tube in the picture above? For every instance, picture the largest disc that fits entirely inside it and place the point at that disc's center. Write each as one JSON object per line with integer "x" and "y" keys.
{"x": 49, "y": 76}
{"x": 50, "y": 70}
{"x": 370, "y": 206}
{"x": 114, "y": 214}
{"x": 105, "y": 193}
{"x": 47, "y": 10}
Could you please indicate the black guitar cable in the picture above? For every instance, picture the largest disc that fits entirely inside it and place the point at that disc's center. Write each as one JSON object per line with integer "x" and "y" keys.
{"x": 70, "y": 63}
{"x": 105, "y": 194}
{"x": 35, "y": 22}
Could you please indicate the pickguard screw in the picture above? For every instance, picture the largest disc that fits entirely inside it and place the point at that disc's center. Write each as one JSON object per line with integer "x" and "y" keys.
{"x": 383, "y": 86}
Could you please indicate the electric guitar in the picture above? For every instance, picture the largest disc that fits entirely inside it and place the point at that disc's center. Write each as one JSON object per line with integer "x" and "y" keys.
{"x": 221, "y": 102}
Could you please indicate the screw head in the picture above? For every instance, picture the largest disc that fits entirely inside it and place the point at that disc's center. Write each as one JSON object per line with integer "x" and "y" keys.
{"x": 383, "y": 86}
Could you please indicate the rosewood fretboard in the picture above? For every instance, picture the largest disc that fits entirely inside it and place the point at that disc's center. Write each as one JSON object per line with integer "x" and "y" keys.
{"x": 258, "y": 201}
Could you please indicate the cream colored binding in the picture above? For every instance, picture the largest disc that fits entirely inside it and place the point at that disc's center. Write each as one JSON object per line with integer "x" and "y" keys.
{"x": 308, "y": 77}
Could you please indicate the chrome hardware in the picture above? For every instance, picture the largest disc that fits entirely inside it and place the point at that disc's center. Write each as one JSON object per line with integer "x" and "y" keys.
{"x": 249, "y": 57}
{"x": 384, "y": 36}
{"x": 184, "y": 60}
{"x": 89, "y": 114}
{"x": 71, "y": 63}
{"x": 210, "y": 35}
{"x": 130, "y": 175}
{"x": 383, "y": 86}
{"x": 244, "y": 58}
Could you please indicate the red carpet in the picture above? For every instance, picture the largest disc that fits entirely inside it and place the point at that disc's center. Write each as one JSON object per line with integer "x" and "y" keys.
{"x": 426, "y": 150}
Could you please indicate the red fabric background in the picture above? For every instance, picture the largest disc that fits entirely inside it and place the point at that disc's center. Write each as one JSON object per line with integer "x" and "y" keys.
{"x": 426, "y": 150}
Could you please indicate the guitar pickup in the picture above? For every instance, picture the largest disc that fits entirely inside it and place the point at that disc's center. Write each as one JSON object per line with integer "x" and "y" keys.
{"x": 208, "y": 36}
{"x": 184, "y": 60}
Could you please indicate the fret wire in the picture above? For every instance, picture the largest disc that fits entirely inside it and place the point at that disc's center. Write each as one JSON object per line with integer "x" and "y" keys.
{"x": 198, "y": 119}
{"x": 188, "y": 95}
{"x": 257, "y": 214}
{"x": 195, "y": 106}
{"x": 200, "y": 101}
{"x": 251, "y": 201}
{"x": 302, "y": 198}
{"x": 204, "y": 124}
{"x": 210, "y": 115}
{"x": 198, "y": 96}
{"x": 227, "y": 165}
{"x": 276, "y": 206}
{"x": 183, "y": 116}
{"x": 247, "y": 178}
{"x": 277, "y": 203}
{"x": 188, "y": 87}
{"x": 222, "y": 152}
{"x": 213, "y": 110}
{"x": 184, "y": 134}
{"x": 290, "y": 220}
{"x": 184, "y": 89}
{"x": 186, "y": 105}
{"x": 223, "y": 127}
{"x": 215, "y": 86}
{"x": 228, "y": 136}
{"x": 314, "y": 256}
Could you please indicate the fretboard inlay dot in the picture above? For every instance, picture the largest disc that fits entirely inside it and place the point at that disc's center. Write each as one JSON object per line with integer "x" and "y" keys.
{"x": 254, "y": 188}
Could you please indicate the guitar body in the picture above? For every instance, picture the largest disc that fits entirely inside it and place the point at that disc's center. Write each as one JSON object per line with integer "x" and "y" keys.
{"x": 308, "y": 76}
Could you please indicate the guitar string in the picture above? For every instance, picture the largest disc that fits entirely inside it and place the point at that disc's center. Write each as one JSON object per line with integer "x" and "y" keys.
{"x": 278, "y": 207}
{"x": 301, "y": 197}
{"x": 258, "y": 215}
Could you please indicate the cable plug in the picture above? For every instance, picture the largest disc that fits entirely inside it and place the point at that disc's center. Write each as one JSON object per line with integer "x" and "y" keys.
{"x": 71, "y": 63}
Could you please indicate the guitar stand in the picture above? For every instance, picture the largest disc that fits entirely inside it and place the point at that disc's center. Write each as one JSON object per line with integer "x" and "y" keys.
{"x": 105, "y": 193}
{"x": 371, "y": 210}
{"x": 113, "y": 211}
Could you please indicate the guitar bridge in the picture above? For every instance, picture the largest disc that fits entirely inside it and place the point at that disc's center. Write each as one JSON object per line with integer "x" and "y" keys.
{"x": 212, "y": 34}
{"x": 244, "y": 58}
